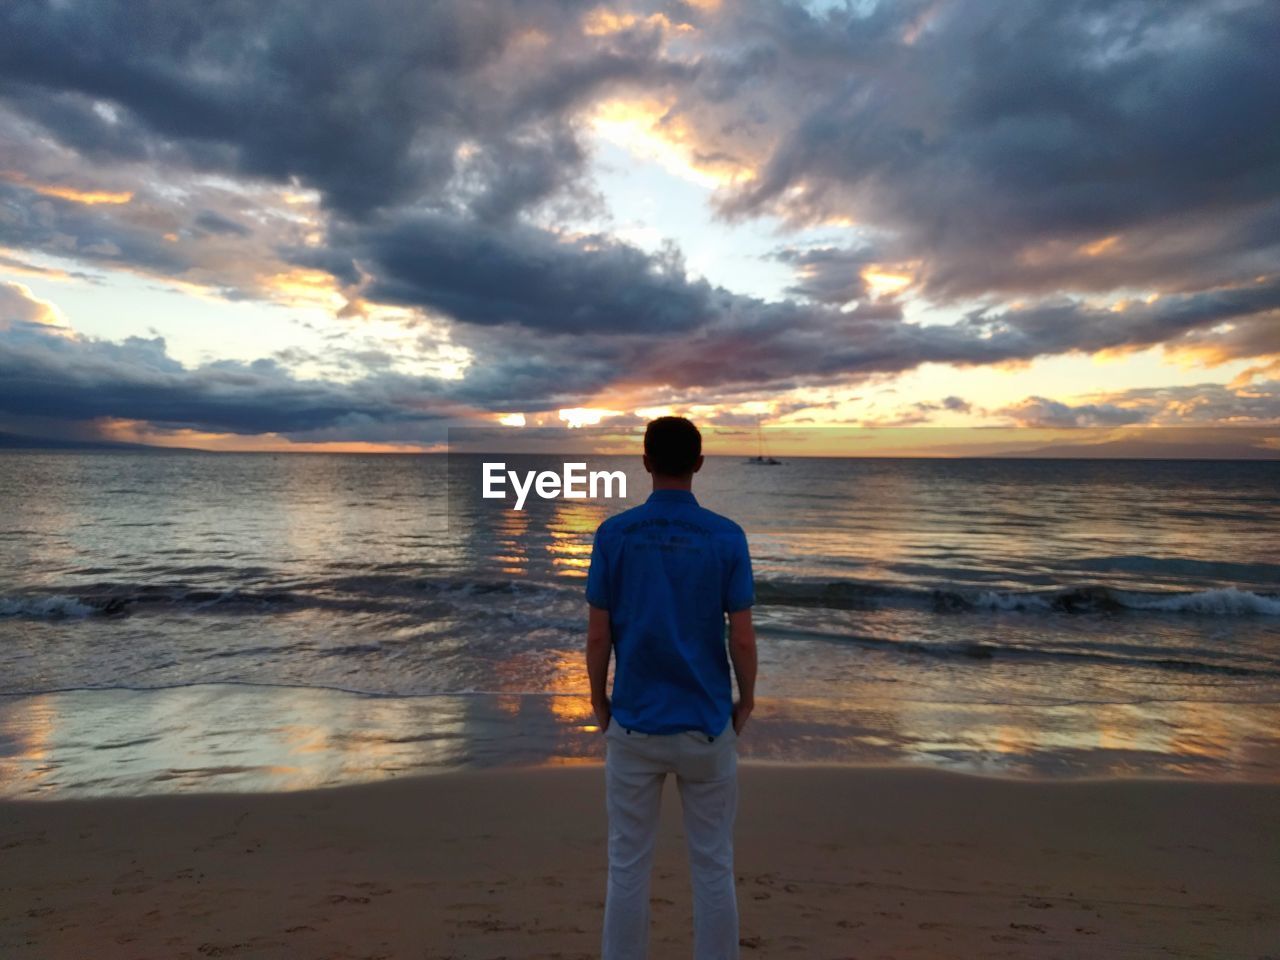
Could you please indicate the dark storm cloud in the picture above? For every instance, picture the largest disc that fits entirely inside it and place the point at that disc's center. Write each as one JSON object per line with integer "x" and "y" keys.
{"x": 828, "y": 274}
{"x": 1069, "y": 326}
{"x": 1007, "y": 134}
{"x": 558, "y": 319}
{"x": 523, "y": 277}
{"x": 89, "y": 233}
{"x": 998, "y": 144}
{"x": 749, "y": 343}
{"x": 44, "y": 373}
{"x": 90, "y": 126}
{"x": 367, "y": 101}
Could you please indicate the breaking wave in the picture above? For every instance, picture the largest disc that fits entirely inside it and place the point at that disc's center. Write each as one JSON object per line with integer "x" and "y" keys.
{"x": 391, "y": 591}
{"x": 1097, "y": 598}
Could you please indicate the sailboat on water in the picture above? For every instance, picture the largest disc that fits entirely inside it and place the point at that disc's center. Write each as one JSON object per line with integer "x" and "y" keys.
{"x": 762, "y": 459}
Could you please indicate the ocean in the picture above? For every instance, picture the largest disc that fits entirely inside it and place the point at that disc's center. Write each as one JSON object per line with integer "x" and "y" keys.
{"x": 224, "y": 622}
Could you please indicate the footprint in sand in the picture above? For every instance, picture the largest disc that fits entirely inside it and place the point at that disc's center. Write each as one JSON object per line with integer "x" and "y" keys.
{"x": 230, "y": 949}
{"x": 220, "y": 949}
{"x": 489, "y": 925}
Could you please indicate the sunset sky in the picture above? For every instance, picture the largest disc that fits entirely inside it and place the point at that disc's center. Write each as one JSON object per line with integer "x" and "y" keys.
{"x": 353, "y": 224}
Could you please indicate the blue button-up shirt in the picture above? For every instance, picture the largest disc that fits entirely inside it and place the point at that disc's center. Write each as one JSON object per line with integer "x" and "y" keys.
{"x": 668, "y": 571}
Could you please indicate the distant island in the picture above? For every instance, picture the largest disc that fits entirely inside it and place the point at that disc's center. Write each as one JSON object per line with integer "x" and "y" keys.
{"x": 17, "y": 441}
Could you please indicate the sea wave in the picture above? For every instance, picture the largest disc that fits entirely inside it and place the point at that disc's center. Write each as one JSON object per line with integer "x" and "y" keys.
{"x": 392, "y": 591}
{"x": 44, "y": 607}
{"x": 1101, "y": 654}
{"x": 55, "y": 606}
{"x": 1226, "y": 602}
{"x": 1091, "y": 598}
{"x": 365, "y": 592}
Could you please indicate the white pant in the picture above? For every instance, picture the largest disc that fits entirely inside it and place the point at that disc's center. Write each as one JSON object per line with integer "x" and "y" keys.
{"x": 636, "y": 766}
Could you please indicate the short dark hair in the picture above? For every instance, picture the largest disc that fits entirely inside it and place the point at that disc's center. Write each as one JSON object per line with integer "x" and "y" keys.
{"x": 673, "y": 445}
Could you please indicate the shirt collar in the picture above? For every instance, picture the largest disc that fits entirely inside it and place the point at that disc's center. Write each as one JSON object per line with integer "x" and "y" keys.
{"x": 672, "y": 496}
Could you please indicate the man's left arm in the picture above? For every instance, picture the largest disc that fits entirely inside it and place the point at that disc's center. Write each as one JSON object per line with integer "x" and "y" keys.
{"x": 599, "y": 647}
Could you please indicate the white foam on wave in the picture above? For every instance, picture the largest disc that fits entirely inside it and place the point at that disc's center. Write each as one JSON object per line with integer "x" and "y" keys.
{"x": 44, "y": 608}
{"x": 1220, "y": 602}
{"x": 1227, "y": 601}
{"x": 994, "y": 600}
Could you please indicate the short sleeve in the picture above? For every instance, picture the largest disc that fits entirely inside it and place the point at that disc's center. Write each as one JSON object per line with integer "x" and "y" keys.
{"x": 598, "y": 574}
{"x": 741, "y": 592}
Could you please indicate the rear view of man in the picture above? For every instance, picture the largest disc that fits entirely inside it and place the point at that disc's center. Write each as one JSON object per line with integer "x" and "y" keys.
{"x": 664, "y": 576}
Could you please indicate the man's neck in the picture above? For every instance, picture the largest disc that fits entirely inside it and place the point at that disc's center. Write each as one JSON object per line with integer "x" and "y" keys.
{"x": 663, "y": 482}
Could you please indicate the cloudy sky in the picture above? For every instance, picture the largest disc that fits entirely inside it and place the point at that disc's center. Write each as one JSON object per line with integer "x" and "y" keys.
{"x": 349, "y": 224}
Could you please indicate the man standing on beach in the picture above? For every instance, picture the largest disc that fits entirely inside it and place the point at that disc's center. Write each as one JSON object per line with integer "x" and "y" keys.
{"x": 664, "y": 578}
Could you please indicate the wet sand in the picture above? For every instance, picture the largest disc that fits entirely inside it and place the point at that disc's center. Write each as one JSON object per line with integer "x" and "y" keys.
{"x": 832, "y": 862}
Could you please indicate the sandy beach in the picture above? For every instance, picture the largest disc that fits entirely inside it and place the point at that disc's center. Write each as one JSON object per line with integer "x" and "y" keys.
{"x": 832, "y": 863}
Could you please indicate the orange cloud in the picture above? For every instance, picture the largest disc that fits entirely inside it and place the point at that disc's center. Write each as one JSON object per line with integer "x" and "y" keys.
{"x": 585, "y": 416}
{"x": 299, "y": 285}
{"x": 1270, "y": 367}
{"x": 1099, "y": 247}
{"x": 602, "y": 22}
{"x": 89, "y": 197}
{"x": 883, "y": 280}
{"x": 647, "y": 127}
{"x": 31, "y": 309}
{"x": 120, "y": 430}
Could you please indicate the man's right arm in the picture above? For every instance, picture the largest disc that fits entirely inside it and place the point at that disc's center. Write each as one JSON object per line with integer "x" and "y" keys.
{"x": 742, "y": 651}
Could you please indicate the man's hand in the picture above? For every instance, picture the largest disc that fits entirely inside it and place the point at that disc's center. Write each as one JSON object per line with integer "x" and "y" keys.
{"x": 599, "y": 647}
{"x": 604, "y": 712}
{"x": 742, "y": 651}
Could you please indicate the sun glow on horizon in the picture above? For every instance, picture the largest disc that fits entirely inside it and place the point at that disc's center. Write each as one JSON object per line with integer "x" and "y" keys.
{"x": 585, "y": 416}
{"x": 121, "y": 430}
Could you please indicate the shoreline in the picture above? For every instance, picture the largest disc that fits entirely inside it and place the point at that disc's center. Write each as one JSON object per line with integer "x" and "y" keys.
{"x": 831, "y": 860}
{"x": 247, "y": 738}
{"x": 745, "y": 763}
